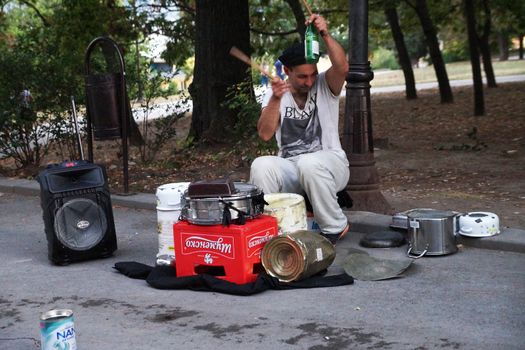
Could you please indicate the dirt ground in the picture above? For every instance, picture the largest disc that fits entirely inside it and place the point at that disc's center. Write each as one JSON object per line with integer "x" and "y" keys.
{"x": 428, "y": 155}
{"x": 442, "y": 157}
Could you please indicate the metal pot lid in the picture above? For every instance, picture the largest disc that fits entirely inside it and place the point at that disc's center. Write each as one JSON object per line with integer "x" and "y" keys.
{"x": 431, "y": 214}
{"x": 399, "y": 220}
{"x": 211, "y": 188}
{"x": 247, "y": 189}
{"x": 242, "y": 190}
{"x": 366, "y": 268}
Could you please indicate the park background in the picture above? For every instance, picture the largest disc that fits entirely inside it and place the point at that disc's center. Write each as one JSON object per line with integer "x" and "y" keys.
{"x": 431, "y": 150}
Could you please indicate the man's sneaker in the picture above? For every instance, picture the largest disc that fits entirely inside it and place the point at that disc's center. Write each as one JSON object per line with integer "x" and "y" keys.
{"x": 333, "y": 238}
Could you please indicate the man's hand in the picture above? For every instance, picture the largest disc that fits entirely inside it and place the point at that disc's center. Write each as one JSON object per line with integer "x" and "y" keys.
{"x": 279, "y": 87}
{"x": 270, "y": 115}
{"x": 335, "y": 75}
{"x": 319, "y": 24}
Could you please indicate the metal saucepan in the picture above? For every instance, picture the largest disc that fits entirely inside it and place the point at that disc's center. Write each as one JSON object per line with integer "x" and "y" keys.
{"x": 431, "y": 232}
{"x": 246, "y": 202}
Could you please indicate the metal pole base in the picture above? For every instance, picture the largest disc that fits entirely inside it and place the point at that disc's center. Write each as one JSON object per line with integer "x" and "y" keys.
{"x": 372, "y": 201}
{"x": 364, "y": 185}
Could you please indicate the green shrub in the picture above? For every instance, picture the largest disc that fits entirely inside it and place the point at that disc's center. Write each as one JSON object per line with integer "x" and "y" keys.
{"x": 241, "y": 98}
{"x": 29, "y": 124}
{"x": 455, "y": 51}
{"x": 156, "y": 133}
{"x": 384, "y": 58}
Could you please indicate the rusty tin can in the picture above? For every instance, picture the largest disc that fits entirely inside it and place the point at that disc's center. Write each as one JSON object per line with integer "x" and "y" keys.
{"x": 297, "y": 255}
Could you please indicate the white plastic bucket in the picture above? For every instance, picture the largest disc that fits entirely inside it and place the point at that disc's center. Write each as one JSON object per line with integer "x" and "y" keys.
{"x": 289, "y": 210}
{"x": 169, "y": 206}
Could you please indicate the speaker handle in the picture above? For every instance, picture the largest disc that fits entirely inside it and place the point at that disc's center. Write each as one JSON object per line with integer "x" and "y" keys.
{"x": 75, "y": 123}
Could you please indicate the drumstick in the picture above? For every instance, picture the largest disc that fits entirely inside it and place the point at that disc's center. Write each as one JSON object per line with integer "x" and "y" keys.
{"x": 308, "y": 8}
{"x": 323, "y": 33}
{"x": 235, "y": 52}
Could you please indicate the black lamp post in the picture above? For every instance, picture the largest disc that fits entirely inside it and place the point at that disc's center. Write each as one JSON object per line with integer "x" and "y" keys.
{"x": 358, "y": 144}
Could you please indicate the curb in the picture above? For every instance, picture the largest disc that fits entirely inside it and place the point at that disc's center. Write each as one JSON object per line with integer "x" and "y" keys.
{"x": 510, "y": 239}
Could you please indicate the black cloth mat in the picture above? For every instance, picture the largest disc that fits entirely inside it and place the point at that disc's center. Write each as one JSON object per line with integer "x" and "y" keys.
{"x": 165, "y": 277}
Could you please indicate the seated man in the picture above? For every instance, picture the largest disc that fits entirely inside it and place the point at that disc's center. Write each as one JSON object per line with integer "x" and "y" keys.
{"x": 303, "y": 114}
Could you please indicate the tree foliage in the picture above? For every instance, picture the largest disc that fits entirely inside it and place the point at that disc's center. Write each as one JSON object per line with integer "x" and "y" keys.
{"x": 42, "y": 46}
{"x": 45, "y": 55}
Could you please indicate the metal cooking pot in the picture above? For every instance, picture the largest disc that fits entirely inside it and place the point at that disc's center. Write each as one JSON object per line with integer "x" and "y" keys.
{"x": 247, "y": 200}
{"x": 431, "y": 232}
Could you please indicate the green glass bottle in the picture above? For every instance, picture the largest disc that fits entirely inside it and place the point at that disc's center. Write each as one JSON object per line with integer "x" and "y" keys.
{"x": 311, "y": 44}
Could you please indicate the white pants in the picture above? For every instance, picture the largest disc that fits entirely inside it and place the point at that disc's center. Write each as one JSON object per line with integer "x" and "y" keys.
{"x": 320, "y": 175}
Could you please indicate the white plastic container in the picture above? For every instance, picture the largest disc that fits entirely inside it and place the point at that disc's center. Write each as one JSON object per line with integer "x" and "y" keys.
{"x": 289, "y": 209}
{"x": 479, "y": 224}
{"x": 169, "y": 206}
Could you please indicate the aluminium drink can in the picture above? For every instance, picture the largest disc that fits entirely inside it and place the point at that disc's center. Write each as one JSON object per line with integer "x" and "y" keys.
{"x": 57, "y": 330}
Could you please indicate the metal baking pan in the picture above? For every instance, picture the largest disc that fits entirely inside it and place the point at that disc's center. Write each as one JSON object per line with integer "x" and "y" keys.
{"x": 400, "y": 220}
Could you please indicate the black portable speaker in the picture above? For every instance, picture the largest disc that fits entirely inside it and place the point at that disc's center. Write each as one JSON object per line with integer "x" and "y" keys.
{"x": 77, "y": 212}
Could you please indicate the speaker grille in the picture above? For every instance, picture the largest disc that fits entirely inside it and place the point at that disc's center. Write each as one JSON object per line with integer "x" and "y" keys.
{"x": 80, "y": 224}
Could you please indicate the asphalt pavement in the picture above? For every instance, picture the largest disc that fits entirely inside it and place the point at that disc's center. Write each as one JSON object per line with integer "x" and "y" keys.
{"x": 472, "y": 299}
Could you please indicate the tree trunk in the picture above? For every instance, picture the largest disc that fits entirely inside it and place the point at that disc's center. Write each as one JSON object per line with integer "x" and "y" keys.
{"x": 298, "y": 12}
{"x": 503, "y": 44}
{"x": 479, "y": 103}
{"x": 402, "y": 52}
{"x": 219, "y": 25}
{"x": 429, "y": 30}
{"x": 484, "y": 47}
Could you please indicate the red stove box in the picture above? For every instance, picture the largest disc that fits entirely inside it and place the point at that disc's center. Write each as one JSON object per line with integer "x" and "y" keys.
{"x": 232, "y": 253}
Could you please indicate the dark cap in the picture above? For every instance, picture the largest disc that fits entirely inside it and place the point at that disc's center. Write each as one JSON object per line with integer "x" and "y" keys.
{"x": 293, "y": 56}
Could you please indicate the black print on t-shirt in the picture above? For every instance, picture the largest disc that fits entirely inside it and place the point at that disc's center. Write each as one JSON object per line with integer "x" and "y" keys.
{"x": 301, "y": 130}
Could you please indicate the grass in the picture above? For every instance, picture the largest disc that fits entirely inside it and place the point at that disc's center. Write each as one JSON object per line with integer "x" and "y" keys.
{"x": 456, "y": 71}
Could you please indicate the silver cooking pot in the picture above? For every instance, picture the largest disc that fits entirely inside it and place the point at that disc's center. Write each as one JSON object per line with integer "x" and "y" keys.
{"x": 247, "y": 201}
{"x": 431, "y": 232}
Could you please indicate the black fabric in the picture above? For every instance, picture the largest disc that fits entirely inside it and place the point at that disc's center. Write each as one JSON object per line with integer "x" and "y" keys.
{"x": 133, "y": 269}
{"x": 227, "y": 217}
{"x": 293, "y": 55}
{"x": 165, "y": 277}
{"x": 343, "y": 199}
{"x": 382, "y": 239}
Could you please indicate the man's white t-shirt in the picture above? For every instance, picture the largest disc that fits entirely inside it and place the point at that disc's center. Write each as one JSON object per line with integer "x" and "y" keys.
{"x": 311, "y": 129}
